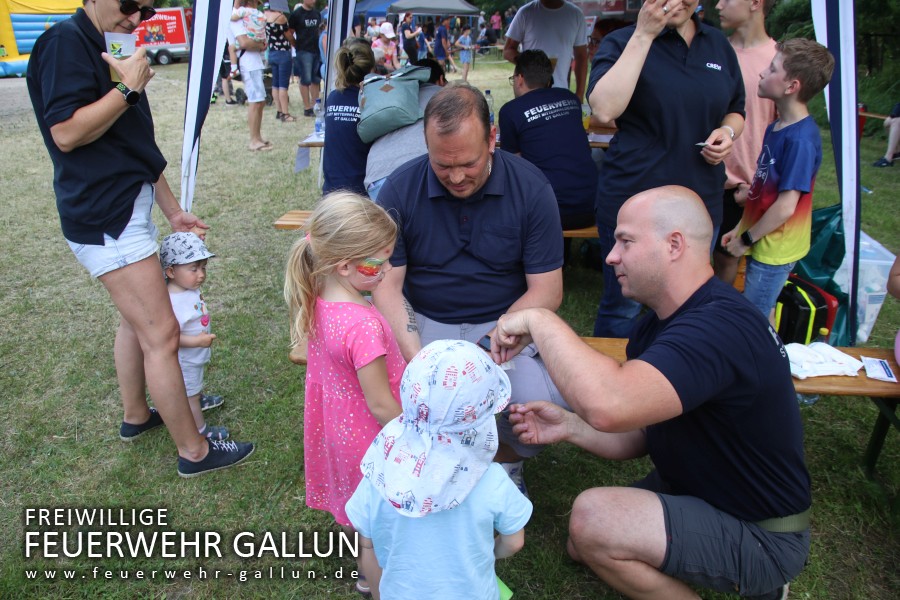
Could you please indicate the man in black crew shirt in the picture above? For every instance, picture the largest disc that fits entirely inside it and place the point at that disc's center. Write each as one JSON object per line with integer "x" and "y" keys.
{"x": 305, "y": 23}
{"x": 706, "y": 392}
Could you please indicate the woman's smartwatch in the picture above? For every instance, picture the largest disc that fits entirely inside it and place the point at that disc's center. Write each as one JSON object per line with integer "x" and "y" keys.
{"x": 747, "y": 239}
{"x": 131, "y": 97}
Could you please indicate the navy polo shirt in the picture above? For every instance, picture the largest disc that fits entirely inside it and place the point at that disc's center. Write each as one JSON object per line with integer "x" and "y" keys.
{"x": 545, "y": 126}
{"x": 95, "y": 184}
{"x": 344, "y": 156}
{"x": 738, "y": 445}
{"x": 682, "y": 94}
{"x": 466, "y": 260}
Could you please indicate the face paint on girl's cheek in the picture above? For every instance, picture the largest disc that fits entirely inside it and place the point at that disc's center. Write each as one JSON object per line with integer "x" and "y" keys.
{"x": 370, "y": 267}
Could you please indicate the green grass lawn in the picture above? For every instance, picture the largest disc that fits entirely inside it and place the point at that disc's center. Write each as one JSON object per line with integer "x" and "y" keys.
{"x": 60, "y": 411}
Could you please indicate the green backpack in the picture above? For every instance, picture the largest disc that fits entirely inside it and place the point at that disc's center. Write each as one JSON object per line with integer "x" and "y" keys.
{"x": 389, "y": 102}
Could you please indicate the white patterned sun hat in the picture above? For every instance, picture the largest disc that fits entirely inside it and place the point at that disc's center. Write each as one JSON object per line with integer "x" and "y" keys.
{"x": 182, "y": 248}
{"x": 430, "y": 457}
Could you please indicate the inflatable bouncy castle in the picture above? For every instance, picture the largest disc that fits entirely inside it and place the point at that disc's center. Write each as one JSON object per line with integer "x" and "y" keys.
{"x": 21, "y": 23}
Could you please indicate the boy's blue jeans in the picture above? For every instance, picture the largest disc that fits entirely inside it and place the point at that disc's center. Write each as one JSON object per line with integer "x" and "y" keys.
{"x": 763, "y": 282}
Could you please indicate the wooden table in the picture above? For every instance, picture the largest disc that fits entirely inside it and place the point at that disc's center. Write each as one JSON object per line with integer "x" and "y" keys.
{"x": 883, "y": 394}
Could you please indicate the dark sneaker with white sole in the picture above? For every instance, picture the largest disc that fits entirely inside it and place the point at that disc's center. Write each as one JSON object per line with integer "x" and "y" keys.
{"x": 221, "y": 456}
{"x": 129, "y": 432}
{"x": 208, "y": 401}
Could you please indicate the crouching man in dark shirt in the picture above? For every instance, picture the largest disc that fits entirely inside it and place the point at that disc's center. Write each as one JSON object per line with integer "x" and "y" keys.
{"x": 706, "y": 392}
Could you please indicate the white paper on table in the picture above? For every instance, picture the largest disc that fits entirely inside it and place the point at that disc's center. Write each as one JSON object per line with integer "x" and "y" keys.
{"x": 878, "y": 368}
{"x": 819, "y": 360}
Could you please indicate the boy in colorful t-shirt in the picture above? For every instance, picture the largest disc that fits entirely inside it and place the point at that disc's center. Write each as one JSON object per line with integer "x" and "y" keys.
{"x": 774, "y": 231}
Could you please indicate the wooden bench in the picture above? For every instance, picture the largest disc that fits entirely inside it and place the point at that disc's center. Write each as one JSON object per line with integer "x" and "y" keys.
{"x": 883, "y": 394}
{"x": 295, "y": 219}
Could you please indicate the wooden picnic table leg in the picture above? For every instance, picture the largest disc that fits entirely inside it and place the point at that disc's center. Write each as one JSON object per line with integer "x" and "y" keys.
{"x": 887, "y": 416}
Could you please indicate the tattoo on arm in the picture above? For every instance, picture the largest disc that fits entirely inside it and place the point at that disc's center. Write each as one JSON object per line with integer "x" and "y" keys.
{"x": 411, "y": 326}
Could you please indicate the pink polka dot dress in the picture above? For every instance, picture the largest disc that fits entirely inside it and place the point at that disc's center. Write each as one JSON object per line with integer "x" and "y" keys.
{"x": 337, "y": 425}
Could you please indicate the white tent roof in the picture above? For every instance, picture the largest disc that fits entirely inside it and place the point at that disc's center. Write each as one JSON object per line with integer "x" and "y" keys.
{"x": 434, "y": 7}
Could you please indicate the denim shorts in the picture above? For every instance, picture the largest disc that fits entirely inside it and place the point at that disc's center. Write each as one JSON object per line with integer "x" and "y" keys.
{"x": 253, "y": 85}
{"x": 307, "y": 63}
{"x": 280, "y": 61}
{"x": 763, "y": 282}
{"x": 136, "y": 242}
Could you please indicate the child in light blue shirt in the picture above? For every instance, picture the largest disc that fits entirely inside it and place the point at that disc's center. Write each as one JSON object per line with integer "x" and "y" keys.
{"x": 431, "y": 498}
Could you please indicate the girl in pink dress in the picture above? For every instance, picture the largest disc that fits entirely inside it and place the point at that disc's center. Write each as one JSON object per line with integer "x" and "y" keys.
{"x": 354, "y": 365}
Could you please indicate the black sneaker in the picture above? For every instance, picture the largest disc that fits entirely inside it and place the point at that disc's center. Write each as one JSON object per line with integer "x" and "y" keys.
{"x": 883, "y": 162}
{"x": 129, "y": 432}
{"x": 231, "y": 102}
{"x": 221, "y": 456}
{"x": 308, "y": 112}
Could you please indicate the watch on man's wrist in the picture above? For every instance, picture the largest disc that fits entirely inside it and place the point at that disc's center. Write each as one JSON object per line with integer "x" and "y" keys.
{"x": 747, "y": 239}
{"x": 131, "y": 97}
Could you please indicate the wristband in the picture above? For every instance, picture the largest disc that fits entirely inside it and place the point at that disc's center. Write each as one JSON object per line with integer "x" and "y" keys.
{"x": 729, "y": 128}
{"x": 747, "y": 239}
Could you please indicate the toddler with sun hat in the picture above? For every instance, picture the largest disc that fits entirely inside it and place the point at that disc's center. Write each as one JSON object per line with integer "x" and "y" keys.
{"x": 431, "y": 497}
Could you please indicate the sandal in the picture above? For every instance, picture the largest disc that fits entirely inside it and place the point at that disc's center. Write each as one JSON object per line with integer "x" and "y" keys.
{"x": 287, "y": 118}
{"x": 214, "y": 433}
{"x": 209, "y": 401}
{"x": 363, "y": 587}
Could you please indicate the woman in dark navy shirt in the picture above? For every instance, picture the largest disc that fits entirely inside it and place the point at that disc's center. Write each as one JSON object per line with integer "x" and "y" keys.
{"x": 670, "y": 83}
{"x": 344, "y": 156}
{"x": 108, "y": 171}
